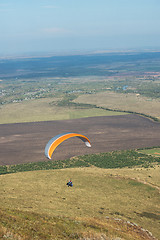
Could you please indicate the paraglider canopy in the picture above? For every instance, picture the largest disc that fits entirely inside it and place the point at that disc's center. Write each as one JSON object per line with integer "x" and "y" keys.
{"x": 55, "y": 141}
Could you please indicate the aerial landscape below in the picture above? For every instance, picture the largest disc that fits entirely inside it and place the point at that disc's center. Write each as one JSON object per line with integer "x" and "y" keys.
{"x": 112, "y": 99}
{"x": 80, "y": 120}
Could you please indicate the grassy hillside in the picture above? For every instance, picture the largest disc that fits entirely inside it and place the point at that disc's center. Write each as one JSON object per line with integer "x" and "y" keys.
{"x": 150, "y": 176}
{"x": 46, "y": 206}
{"x": 108, "y": 199}
{"x": 26, "y": 225}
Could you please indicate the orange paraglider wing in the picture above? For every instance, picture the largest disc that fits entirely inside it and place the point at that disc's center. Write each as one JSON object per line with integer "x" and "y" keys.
{"x": 55, "y": 141}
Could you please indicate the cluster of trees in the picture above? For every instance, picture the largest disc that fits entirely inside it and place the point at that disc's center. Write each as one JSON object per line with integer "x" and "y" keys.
{"x": 116, "y": 159}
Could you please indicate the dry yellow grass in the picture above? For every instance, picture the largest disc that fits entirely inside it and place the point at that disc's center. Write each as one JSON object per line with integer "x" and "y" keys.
{"x": 126, "y": 102}
{"x": 150, "y": 176}
{"x": 95, "y": 194}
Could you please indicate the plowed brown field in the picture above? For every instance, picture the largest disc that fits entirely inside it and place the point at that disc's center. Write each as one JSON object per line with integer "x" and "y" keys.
{"x": 25, "y": 142}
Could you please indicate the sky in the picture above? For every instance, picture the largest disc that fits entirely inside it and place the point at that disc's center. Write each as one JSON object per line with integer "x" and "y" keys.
{"x": 43, "y": 26}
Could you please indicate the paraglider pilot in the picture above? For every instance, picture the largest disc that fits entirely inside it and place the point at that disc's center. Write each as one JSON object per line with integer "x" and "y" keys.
{"x": 70, "y": 184}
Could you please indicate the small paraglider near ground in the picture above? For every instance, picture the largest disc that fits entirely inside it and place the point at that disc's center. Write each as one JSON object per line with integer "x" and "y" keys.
{"x": 69, "y": 183}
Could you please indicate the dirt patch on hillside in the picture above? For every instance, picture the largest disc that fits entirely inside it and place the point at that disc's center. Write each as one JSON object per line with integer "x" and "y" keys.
{"x": 25, "y": 142}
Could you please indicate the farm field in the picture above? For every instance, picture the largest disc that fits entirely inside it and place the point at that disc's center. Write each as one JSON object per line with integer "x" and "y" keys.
{"x": 46, "y": 110}
{"x": 124, "y": 102}
{"x": 92, "y": 202}
{"x": 154, "y": 151}
{"x": 25, "y": 142}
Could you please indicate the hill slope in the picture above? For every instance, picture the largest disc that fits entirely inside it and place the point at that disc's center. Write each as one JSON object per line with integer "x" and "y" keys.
{"x": 91, "y": 208}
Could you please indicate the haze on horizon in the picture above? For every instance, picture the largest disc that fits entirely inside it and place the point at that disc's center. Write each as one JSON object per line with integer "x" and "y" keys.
{"x": 41, "y": 26}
